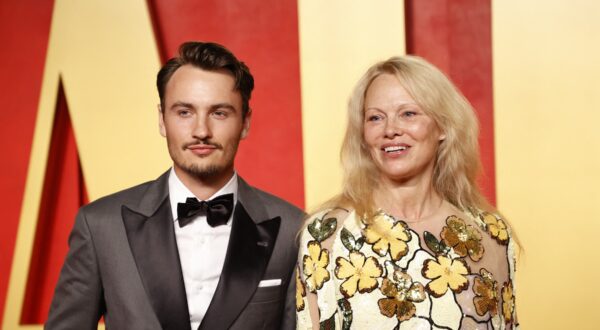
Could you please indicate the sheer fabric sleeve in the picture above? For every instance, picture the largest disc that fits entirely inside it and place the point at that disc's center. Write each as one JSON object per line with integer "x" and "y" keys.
{"x": 315, "y": 290}
{"x": 493, "y": 277}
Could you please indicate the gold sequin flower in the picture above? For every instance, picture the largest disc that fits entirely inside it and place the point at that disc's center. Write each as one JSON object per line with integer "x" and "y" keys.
{"x": 496, "y": 227}
{"x": 314, "y": 266}
{"x": 508, "y": 302}
{"x": 445, "y": 273}
{"x": 359, "y": 273}
{"x": 385, "y": 235}
{"x": 486, "y": 296}
{"x": 464, "y": 239}
{"x": 300, "y": 292}
{"x": 401, "y": 295}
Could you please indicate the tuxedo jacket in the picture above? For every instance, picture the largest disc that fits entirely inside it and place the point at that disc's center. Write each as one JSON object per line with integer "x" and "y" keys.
{"x": 123, "y": 264}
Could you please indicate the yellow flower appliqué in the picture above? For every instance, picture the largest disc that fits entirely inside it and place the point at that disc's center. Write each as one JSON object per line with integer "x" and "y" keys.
{"x": 401, "y": 295}
{"x": 496, "y": 227}
{"x": 300, "y": 292}
{"x": 445, "y": 273}
{"x": 360, "y": 273}
{"x": 385, "y": 235}
{"x": 486, "y": 295}
{"x": 508, "y": 302}
{"x": 464, "y": 239}
{"x": 314, "y": 266}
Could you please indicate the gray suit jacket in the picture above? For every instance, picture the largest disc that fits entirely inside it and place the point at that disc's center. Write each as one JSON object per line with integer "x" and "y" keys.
{"x": 123, "y": 264}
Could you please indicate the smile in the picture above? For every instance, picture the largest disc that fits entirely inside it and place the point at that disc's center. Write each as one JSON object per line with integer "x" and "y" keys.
{"x": 391, "y": 149}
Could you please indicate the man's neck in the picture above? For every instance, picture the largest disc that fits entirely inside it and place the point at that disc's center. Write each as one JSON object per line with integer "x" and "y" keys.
{"x": 203, "y": 188}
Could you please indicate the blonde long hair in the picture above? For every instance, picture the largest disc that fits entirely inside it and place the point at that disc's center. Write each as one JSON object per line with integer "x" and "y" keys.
{"x": 457, "y": 163}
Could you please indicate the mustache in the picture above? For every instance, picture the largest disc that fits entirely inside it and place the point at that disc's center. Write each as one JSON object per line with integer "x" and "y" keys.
{"x": 205, "y": 142}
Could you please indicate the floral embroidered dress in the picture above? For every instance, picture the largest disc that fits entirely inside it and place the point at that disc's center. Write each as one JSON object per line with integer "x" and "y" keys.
{"x": 385, "y": 273}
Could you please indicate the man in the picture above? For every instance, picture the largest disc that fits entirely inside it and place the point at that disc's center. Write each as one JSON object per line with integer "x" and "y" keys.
{"x": 198, "y": 248}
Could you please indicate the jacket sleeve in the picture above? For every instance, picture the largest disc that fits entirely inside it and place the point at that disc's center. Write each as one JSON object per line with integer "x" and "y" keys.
{"x": 78, "y": 297}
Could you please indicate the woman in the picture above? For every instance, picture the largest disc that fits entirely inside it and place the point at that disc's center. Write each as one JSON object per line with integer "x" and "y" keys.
{"x": 410, "y": 243}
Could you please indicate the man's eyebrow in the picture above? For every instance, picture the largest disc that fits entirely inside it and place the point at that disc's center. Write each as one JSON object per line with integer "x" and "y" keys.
{"x": 223, "y": 106}
{"x": 180, "y": 104}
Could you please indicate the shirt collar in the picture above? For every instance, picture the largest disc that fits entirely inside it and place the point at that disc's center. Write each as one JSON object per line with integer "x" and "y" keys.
{"x": 178, "y": 192}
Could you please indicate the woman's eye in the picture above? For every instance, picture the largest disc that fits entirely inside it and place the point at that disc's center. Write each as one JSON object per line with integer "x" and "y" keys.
{"x": 409, "y": 114}
{"x": 373, "y": 117}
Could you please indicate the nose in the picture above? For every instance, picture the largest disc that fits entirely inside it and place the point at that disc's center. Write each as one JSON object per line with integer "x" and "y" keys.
{"x": 393, "y": 128}
{"x": 202, "y": 129}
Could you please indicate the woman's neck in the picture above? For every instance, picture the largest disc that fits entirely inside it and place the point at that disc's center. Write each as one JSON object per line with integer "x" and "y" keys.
{"x": 410, "y": 201}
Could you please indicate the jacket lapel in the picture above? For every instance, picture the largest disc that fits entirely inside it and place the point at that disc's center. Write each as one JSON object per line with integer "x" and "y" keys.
{"x": 149, "y": 228}
{"x": 251, "y": 243}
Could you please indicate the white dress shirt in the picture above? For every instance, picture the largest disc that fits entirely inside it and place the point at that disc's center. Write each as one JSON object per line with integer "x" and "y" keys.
{"x": 202, "y": 249}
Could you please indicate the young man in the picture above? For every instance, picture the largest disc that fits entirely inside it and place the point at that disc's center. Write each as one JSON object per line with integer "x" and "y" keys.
{"x": 198, "y": 248}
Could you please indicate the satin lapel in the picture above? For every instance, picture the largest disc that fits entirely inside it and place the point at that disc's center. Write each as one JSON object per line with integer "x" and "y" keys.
{"x": 252, "y": 201}
{"x": 152, "y": 242}
{"x": 250, "y": 247}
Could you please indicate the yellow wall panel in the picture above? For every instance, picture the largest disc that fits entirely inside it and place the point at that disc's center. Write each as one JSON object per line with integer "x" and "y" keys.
{"x": 112, "y": 102}
{"x": 339, "y": 40}
{"x": 112, "y": 105}
{"x": 547, "y": 104}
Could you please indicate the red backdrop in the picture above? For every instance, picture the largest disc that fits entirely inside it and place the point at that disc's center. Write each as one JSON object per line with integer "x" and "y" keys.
{"x": 455, "y": 35}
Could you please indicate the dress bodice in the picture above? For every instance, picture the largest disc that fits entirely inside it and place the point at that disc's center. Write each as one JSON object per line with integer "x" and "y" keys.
{"x": 385, "y": 273}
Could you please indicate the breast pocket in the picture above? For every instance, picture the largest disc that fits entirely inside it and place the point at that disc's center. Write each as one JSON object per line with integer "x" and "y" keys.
{"x": 264, "y": 310}
{"x": 267, "y": 294}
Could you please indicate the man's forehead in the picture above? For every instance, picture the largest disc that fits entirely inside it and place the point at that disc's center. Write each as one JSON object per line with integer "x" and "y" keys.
{"x": 189, "y": 78}
{"x": 193, "y": 71}
{"x": 194, "y": 87}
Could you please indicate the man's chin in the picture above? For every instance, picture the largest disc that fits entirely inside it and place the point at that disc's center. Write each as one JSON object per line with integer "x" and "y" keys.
{"x": 204, "y": 173}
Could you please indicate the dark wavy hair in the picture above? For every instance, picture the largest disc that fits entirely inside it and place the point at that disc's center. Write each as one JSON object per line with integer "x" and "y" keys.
{"x": 212, "y": 57}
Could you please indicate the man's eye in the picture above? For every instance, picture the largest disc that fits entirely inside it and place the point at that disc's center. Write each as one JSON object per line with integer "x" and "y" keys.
{"x": 183, "y": 113}
{"x": 220, "y": 114}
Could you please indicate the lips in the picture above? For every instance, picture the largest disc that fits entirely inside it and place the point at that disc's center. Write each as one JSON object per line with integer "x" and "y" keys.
{"x": 395, "y": 148}
{"x": 202, "y": 149}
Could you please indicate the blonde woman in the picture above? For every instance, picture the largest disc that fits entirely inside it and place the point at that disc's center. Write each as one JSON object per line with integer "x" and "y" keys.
{"x": 410, "y": 242}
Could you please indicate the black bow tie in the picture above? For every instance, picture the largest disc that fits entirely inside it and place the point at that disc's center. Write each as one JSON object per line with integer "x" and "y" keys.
{"x": 217, "y": 210}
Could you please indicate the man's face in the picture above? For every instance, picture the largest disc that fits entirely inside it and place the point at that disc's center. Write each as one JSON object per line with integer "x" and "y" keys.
{"x": 202, "y": 121}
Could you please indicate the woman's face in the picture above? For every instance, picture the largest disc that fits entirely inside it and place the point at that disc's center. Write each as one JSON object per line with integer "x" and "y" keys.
{"x": 401, "y": 138}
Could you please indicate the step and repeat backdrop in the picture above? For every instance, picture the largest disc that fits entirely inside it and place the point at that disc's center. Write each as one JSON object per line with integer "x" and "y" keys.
{"x": 79, "y": 118}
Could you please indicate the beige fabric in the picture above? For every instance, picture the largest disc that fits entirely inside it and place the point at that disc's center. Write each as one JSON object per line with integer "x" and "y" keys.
{"x": 454, "y": 309}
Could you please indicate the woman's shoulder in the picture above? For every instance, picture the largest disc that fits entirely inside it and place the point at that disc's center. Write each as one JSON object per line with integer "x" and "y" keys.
{"x": 322, "y": 225}
{"x": 492, "y": 222}
{"x": 339, "y": 213}
{"x": 328, "y": 217}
